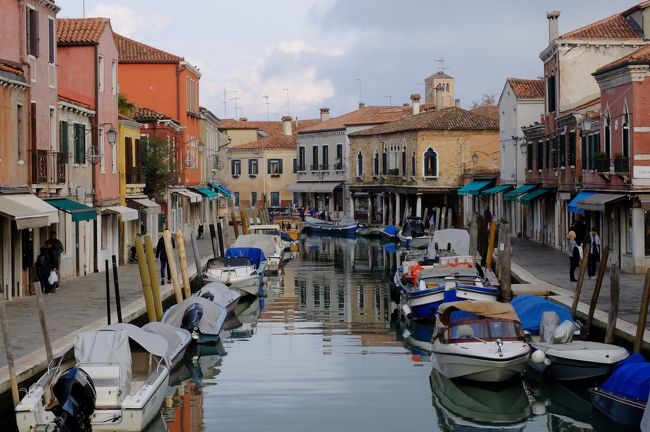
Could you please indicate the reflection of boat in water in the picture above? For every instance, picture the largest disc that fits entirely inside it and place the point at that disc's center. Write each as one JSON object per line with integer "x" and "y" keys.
{"x": 417, "y": 337}
{"x": 247, "y": 313}
{"x": 569, "y": 409}
{"x": 462, "y": 405}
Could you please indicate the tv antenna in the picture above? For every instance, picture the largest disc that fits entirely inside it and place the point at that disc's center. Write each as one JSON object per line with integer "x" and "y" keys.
{"x": 267, "y": 107}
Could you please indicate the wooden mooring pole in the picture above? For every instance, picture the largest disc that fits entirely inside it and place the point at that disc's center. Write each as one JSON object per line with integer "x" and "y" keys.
{"x": 197, "y": 257}
{"x": 213, "y": 241}
{"x": 643, "y": 314}
{"x": 581, "y": 278}
{"x": 599, "y": 283}
{"x": 155, "y": 286}
{"x": 490, "y": 250}
{"x": 235, "y": 226}
{"x": 473, "y": 238}
{"x": 41, "y": 316}
{"x": 220, "y": 236}
{"x": 613, "y": 304}
{"x": 183, "y": 261}
{"x": 116, "y": 286}
{"x": 108, "y": 292}
{"x": 171, "y": 262}
{"x": 504, "y": 263}
{"x": 13, "y": 382}
{"x": 145, "y": 278}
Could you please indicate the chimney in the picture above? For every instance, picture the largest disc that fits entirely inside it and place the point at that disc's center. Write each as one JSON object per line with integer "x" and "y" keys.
{"x": 457, "y": 103}
{"x": 286, "y": 125}
{"x": 324, "y": 114}
{"x": 552, "y": 17}
{"x": 415, "y": 104}
{"x": 361, "y": 105}
{"x": 243, "y": 119}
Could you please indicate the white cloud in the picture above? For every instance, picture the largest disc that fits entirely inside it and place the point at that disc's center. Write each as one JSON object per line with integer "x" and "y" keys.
{"x": 298, "y": 46}
{"x": 126, "y": 21}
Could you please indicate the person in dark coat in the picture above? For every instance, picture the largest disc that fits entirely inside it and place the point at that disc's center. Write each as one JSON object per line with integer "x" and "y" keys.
{"x": 161, "y": 253}
{"x": 301, "y": 211}
{"x": 594, "y": 252}
{"x": 574, "y": 255}
{"x": 580, "y": 229}
{"x": 42, "y": 268}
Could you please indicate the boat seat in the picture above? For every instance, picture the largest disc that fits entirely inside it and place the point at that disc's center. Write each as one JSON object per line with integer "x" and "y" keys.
{"x": 106, "y": 378}
{"x": 464, "y": 331}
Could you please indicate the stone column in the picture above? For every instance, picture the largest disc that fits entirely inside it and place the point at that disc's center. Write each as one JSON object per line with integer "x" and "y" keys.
{"x": 351, "y": 205}
{"x": 390, "y": 210}
{"x": 370, "y": 210}
{"x": 398, "y": 219}
{"x": 384, "y": 208}
{"x": 418, "y": 206}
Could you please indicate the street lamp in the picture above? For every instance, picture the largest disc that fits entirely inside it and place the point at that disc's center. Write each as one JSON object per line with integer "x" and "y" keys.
{"x": 475, "y": 156}
{"x": 111, "y": 136}
{"x": 523, "y": 147}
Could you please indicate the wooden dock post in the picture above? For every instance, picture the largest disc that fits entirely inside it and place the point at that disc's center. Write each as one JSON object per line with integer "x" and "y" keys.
{"x": 596, "y": 293}
{"x": 225, "y": 224}
{"x": 116, "y": 286}
{"x": 490, "y": 250}
{"x": 213, "y": 238}
{"x": 145, "y": 278}
{"x": 244, "y": 222}
{"x": 613, "y": 306}
{"x": 235, "y": 225}
{"x": 197, "y": 257}
{"x": 581, "y": 277}
{"x": 108, "y": 292}
{"x": 155, "y": 286}
{"x": 473, "y": 237}
{"x": 643, "y": 314}
{"x": 222, "y": 250}
{"x": 505, "y": 256}
{"x": 171, "y": 262}
{"x": 41, "y": 316}
{"x": 13, "y": 382}
{"x": 183, "y": 261}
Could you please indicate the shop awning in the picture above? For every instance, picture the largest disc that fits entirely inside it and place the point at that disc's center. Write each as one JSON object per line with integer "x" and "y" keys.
{"x": 207, "y": 192}
{"x": 126, "y": 213}
{"x": 513, "y": 194}
{"x": 192, "y": 196}
{"x": 221, "y": 189}
{"x": 29, "y": 211}
{"x": 496, "y": 189}
{"x": 314, "y": 187}
{"x": 150, "y": 205}
{"x": 532, "y": 196}
{"x": 573, "y": 205}
{"x": 474, "y": 187}
{"x": 80, "y": 212}
{"x": 597, "y": 201}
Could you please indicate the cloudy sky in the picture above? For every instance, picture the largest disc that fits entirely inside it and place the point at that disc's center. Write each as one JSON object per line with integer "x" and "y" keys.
{"x": 332, "y": 52}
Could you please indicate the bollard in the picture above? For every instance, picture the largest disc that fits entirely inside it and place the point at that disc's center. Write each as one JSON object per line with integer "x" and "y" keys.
{"x": 197, "y": 257}
{"x": 171, "y": 262}
{"x": 643, "y": 313}
{"x": 145, "y": 278}
{"x": 108, "y": 292}
{"x": 155, "y": 287}
{"x": 116, "y": 285}
{"x": 183, "y": 261}
{"x": 235, "y": 226}
{"x": 222, "y": 251}
{"x": 581, "y": 277}
{"x": 213, "y": 237}
{"x": 13, "y": 382}
{"x": 613, "y": 304}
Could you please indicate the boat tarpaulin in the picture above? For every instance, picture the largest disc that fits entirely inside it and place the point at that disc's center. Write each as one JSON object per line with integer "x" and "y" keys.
{"x": 488, "y": 309}
{"x": 256, "y": 255}
{"x": 630, "y": 379}
{"x": 266, "y": 242}
{"x": 458, "y": 239}
{"x": 474, "y": 187}
{"x": 213, "y": 315}
{"x": 513, "y": 194}
{"x": 219, "y": 292}
{"x": 391, "y": 230}
{"x": 176, "y": 337}
{"x": 530, "y": 309}
{"x": 105, "y": 347}
{"x": 574, "y": 204}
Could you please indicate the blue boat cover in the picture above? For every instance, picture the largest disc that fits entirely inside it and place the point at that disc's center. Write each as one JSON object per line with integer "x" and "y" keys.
{"x": 390, "y": 248}
{"x": 391, "y": 230}
{"x": 256, "y": 255}
{"x": 631, "y": 379}
{"x": 285, "y": 237}
{"x": 530, "y": 308}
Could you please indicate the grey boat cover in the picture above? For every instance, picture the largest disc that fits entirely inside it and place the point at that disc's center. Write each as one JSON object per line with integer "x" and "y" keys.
{"x": 441, "y": 272}
{"x": 176, "y": 337}
{"x": 459, "y": 239}
{"x": 212, "y": 315}
{"x": 221, "y": 293}
{"x": 151, "y": 342}
{"x": 265, "y": 242}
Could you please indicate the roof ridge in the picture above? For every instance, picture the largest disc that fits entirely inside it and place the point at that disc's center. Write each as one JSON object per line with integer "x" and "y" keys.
{"x": 139, "y": 56}
{"x": 593, "y": 25}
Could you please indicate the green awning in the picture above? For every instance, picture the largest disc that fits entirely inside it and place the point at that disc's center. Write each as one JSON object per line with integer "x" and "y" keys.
{"x": 207, "y": 192}
{"x": 221, "y": 189}
{"x": 513, "y": 194}
{"x": 496, "y": 189}
{"x": 80, "y": 212}
{"x": 474, "y": 187}
{"x": 530, "y": 197}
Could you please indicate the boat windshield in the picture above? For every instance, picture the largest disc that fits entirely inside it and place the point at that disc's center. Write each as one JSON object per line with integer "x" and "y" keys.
{"x": 270, "y": 231}
{"x": 217, "y": 263}
{"x": 483, "y": 330}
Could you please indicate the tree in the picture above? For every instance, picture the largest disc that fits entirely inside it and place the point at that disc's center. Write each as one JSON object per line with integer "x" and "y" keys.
{"x": 159, "y": 164}
{"x": 124, "y": 107}
{"x": 487, "y": 100}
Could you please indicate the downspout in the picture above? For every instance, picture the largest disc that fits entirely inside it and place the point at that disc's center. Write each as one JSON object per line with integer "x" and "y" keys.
{"x": 94, "y": 166}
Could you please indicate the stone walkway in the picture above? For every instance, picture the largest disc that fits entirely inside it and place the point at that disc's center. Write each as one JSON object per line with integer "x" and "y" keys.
{"x": 552, "y": 266}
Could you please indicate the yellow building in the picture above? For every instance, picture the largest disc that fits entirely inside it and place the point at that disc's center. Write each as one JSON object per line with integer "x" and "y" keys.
{"x": 420, "y": 162}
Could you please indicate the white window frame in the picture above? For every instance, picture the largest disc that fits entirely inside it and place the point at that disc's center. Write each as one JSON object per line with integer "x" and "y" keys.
{"x": 114, "y": 78}
{"x": 100, "y": 73}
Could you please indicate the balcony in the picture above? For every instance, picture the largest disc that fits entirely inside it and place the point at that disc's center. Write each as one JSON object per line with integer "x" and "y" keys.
{"x": 325, "y": 167}
{"x": 314, "y": 167}
{"x": 48, "y": 167}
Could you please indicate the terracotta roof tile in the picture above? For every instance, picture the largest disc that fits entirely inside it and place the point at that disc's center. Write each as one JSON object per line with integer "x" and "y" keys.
{"x": 453, "y": 118}
{"x": 74, "y": 102}
{"x": 270, "y": 127}
{"x": 613, "y": 27}
{"x": 131, "y": 51}
{"x": 367, "y": 115}
{"x": 12, "y": 71}
{"x": 491, "y": 111}
{"x": 71, "y": 31}
{"x": 144, "y": 114}
{"x": 272, "y": 142}
{"x": 527, "y": 88}
{"x": 640, "y": 56}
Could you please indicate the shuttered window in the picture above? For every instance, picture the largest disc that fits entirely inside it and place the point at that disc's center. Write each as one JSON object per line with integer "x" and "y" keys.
{"x": 79, "y": 144}
{"x": 63, "y": 139}
{"x": 32, "y": 36}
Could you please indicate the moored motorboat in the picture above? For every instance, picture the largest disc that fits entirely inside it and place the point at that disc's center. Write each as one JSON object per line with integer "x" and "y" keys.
{"x": 341, "y": 227}
{"x": 292, "y": 225}
{"x": 413, "y": 227}
{"x": 479, "y": 341}
{"x": 270, "y": 244}
{"x": 200, "y": 316}
{"x": 220, "y": 294}
{"x": 178, "y": 339}
{"x": 389, "y": 233}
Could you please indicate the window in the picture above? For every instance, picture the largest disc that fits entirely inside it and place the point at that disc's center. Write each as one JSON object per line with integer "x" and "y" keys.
{"x": 79, "y": 140}
{"x": 572, "y": 148}
{"x": 32, "y": 36}
{"x": 274, "y": 166}
{"x": 608, "y": 137}
{"x": 626, "y": 135}
{"x": 253, "y": 199}
{"x": 413, "y": 164}
{"x": 529, "y": 156}
{"x": 51, "y": 42}
{"x": 630, "y": 235}
{"x": 583, "y": 152}
{"x": 562, "y": 149}
{"x": 235, "y": 167}
{"x": 295, "y": 165}
{"x": 553, "y": 142}
{"x": 100, "y": 145}
{"x": 187, "y": 93}
{"x": 275, "y": 199}
{"x": 430, "y": 163}
{"x": 32, "y": 119}
{"x": 550, "y": 93}
{"x": 547, "y": 154}
{"x": 647, "y": 232}
{"x": 326, "y": 158}
{"x": 100, "y": 73}
{"x": 404, "y": 162}
{"x": 314, "y": 158}
{"x": 301, "y": 158}
{"x": 19, "y": 131}
{"x": 252, "y": 167}
{"x": 236, "y": 198}
{"x": 339, "y": 157}
{"x": 113, "y": 77}
{"x": 63, "y": 139}
{"x": 384, "y": 162}
{"x": 375, "y": 168}
{"x": 359, "y": 165}
{"x": 540, "y": 154}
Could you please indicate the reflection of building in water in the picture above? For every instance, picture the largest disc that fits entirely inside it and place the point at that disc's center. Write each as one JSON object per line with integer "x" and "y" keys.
{"x": 186, "y": 411}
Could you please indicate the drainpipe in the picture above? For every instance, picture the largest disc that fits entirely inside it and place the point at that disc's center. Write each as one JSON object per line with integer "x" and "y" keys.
{"x": 94, "y": 167}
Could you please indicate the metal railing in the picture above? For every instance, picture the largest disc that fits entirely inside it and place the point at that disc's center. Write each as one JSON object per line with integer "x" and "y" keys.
{"x": 49, "y": 167}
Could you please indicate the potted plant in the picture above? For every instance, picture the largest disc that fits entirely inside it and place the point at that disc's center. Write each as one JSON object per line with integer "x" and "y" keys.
{"x": 601, "y": 161}
{"x": 621, "y": 163}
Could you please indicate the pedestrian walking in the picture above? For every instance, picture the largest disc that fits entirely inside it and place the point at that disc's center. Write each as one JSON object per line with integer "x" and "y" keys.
{"x": 580, "y": 229}
{"x": 200, "y": 232}
{"x": 487, "y": 215}
{"x": 594, "y": 253}
{"x": 55, "y": 257}
{"x": 42, "y": 268}
{"x": 161, "y": 253}
{"x": 574, "y": 255}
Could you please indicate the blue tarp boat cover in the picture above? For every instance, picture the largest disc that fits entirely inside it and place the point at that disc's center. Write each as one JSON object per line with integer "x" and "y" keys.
{"x": 285, "y": 237}
{"x": 530, "y": 308}
{"x": 391, "y": 230}
{"x": 631, "y": 379}
{"x": 390, "y": 248}
{"x": 256, "y": 255}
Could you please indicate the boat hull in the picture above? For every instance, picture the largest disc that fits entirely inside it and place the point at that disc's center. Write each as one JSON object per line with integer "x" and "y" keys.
{"x": 483, "y": 369}
{"x": 423, "y": 304}
{"x": 621, "y": 410}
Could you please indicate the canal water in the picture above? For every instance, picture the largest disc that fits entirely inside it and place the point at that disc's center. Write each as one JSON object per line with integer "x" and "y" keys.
{"x": 323, "y": 350}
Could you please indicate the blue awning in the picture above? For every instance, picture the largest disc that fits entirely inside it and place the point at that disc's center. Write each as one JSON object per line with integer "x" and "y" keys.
{"x": 474, "y": 187}
{"x": 496, "y": 189}
{"x": 221, "y": 189}
{"x": 573, "y": 205}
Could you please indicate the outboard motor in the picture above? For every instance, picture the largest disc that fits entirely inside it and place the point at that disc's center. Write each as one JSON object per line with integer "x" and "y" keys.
{"x": 207, "y": 295}
{"x": 75, "y": 393}
{"x": 192, "y": 318}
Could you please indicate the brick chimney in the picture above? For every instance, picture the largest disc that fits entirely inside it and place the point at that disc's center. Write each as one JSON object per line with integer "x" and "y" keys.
{"x": 243, "y": 119}
{"x": 415, "y": 104}
{"x": 324, "y": 114}
{"x": 553, "y": 31}
{"x": 286, "y": 125}
{"x": 457, "y": 103}
{"x": 362, "y": 105}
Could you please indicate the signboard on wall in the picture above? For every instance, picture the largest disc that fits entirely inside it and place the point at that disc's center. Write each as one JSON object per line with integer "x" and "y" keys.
{"x": 642, "y": 172}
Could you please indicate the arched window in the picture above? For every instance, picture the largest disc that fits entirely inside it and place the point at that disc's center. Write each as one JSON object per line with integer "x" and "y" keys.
{"x": 375, "y": 170}
{"x": 359, "y": 165}
{"x": 608, "y": 136}
{"x": 625, "y": 127}
{"x": 384, "y": 163}
{"x": 403, "y": 162}
{"x": 430, "y": 163}
{"x": 413, "y": 164}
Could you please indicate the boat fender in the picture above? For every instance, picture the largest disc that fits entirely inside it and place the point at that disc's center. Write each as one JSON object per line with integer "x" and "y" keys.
{"x": 406, "y": 310}
{"x": 538, "y": 357}
{"x": 538, "y": 408}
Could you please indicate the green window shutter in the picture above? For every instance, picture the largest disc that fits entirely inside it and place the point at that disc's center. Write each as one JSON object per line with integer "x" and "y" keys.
{"x": 75, "y": 139}
{"x": 63, "y": 137}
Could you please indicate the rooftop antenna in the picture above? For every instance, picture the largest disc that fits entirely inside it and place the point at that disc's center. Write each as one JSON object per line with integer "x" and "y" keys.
{"x": 83, "y": 5}
{"x": 267, "y": 107}
{"x": 225, "y": 101}
{"x": 288, "y": 106}
{"x": 359, "y": 81}
{"x": 390, "y": 100}
{"x": 441, "y": 67}
{"x": 236, "y": 98}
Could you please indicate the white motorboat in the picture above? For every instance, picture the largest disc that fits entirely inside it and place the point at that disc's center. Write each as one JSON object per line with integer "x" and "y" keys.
{"x": 178, "y": 339}
{"x": 269, "y": 244}
{"x": 479, "y": 341}
{"x": 203, "y": 318}
{"x": 129, "y": 368}
{"x": 238, "y": 273}
{"x": 220, "y": 294}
